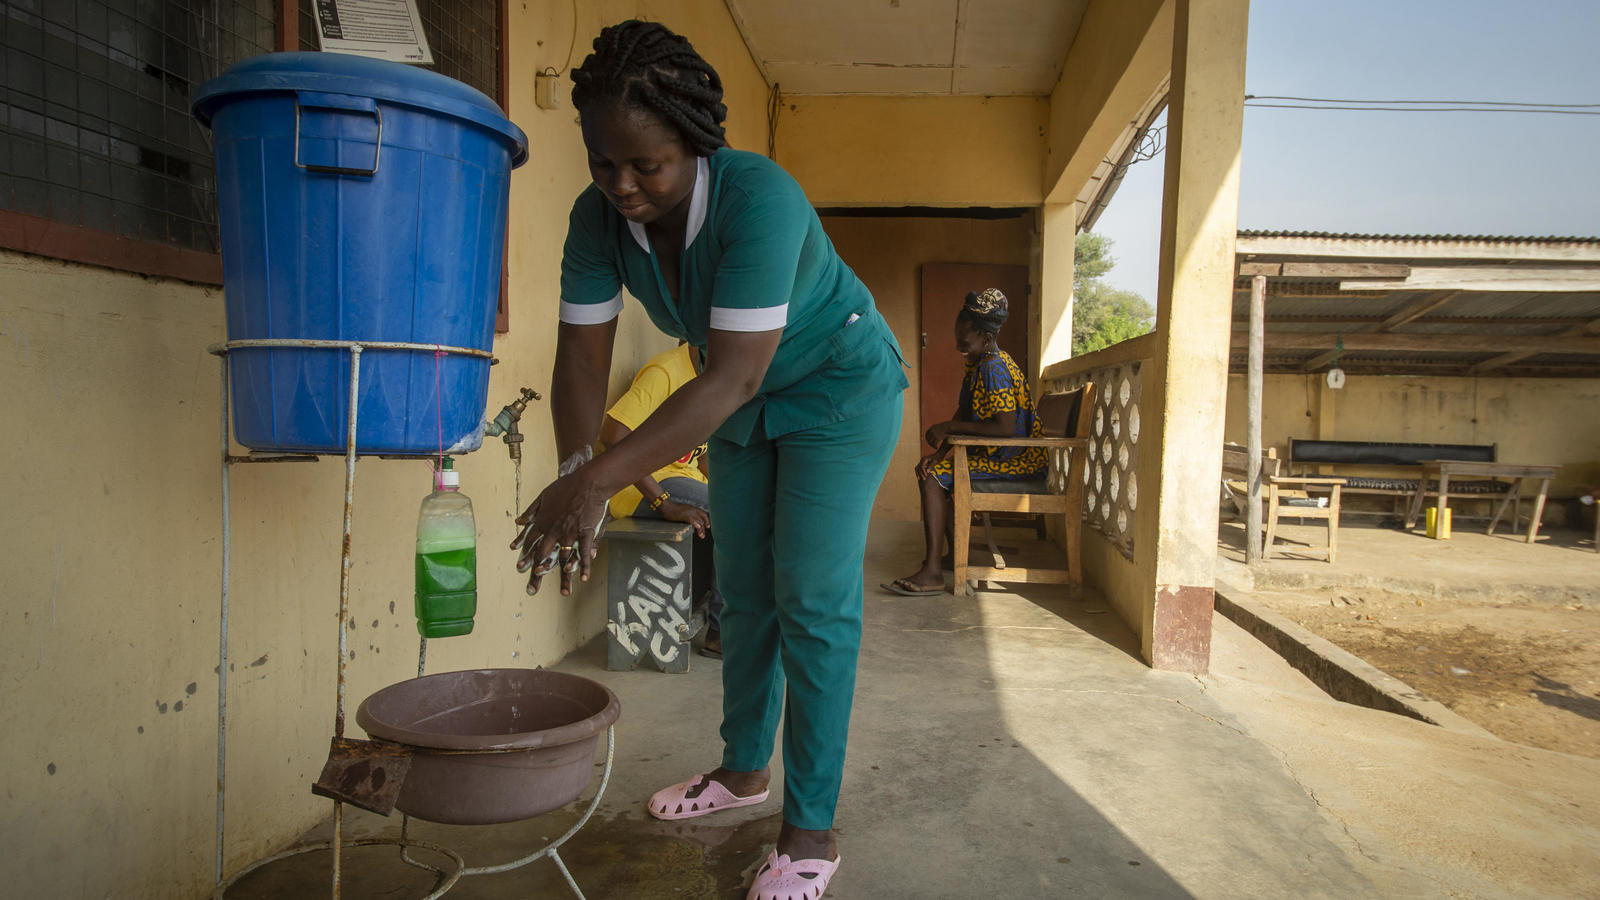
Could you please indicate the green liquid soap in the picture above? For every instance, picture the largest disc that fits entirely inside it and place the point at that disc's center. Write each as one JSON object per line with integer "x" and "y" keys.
{"x": 447, "y": 592}
{"x": 447, "y": 560}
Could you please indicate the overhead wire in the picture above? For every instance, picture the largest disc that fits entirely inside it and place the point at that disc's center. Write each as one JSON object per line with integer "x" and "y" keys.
{"x": 572, "y": 41}
{"x": 1152, "y": 143}
{"x": 774, "y": 107}
{"x": 1415, "y": 106}
{"x": 1434, "y": 102}
{"x": 1416, "y": 109}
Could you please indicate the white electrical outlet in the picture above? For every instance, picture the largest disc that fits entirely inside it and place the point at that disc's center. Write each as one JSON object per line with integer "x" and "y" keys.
{"x": 547, "y": 90}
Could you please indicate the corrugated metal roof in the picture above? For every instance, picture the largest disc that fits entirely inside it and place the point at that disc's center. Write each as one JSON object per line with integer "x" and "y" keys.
{"x": 1466, "y": 305}
{"x": 1307, "y": 305}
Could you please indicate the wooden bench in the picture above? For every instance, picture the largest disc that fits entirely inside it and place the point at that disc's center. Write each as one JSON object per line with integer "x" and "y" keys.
{"x": 650, "y": 592}
{"x": 1407, "y": 458}
{"x": 1292, "y": 496}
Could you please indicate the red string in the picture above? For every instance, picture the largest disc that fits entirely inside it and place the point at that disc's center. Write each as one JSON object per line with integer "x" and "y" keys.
{"x": 438, "y": 415}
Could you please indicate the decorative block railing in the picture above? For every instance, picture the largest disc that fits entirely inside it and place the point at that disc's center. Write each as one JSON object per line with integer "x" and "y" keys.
{"x": 1111, "y": 481}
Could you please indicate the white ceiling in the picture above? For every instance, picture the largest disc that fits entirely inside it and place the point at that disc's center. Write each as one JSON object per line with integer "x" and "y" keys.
{"x": 984, "y": 47}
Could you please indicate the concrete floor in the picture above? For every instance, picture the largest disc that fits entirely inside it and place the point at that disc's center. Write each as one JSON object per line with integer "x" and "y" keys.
{"x": 1374, "y": 552}
{"x": 1014, "y": 745}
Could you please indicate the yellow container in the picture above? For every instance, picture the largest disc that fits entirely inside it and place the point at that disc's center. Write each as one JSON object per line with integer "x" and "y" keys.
{"x": 1435, "y": 528}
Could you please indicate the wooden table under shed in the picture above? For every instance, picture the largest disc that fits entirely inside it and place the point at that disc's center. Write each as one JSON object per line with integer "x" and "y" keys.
{"x": 1442, "y": 469}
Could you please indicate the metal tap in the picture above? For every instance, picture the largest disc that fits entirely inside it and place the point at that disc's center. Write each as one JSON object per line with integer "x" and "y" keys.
{"x": 505, "y": 424}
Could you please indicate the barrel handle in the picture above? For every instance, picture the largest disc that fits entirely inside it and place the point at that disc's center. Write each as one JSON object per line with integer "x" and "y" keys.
{"x": 345, "y": 103}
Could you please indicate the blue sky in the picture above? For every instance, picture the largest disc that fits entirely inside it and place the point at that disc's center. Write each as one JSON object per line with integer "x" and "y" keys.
{"x": 1411, "y": 172}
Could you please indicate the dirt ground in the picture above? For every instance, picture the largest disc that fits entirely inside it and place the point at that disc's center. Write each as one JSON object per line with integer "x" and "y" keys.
{"x": 1526, "y": 669}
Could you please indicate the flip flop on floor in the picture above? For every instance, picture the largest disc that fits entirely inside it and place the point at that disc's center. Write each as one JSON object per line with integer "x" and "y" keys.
{"x": 781, "y": 878}
{"x": 905, "y": 588}
{"x": 712, "y": 648}
{"x": 671, "y": 804}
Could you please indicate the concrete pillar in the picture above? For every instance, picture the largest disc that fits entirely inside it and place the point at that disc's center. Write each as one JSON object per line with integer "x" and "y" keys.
{"x": 1052, "y": 334}
{"x": 1186, "y": 382}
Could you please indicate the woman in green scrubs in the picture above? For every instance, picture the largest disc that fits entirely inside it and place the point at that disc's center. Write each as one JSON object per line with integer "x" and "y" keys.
{"x": 800, "y": 398}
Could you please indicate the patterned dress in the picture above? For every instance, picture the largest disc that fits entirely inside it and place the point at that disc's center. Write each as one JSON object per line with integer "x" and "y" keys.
{"x": 993, "y": 385}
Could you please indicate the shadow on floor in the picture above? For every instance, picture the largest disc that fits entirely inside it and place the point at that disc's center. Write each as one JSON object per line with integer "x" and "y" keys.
{"x": 1565, "y": 696}
{"x": 1083, "y": 609}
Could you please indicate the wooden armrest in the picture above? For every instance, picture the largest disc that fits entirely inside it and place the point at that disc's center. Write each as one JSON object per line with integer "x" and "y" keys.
{"x": 973, "y": 440}
{"x": 1303, "y": 479}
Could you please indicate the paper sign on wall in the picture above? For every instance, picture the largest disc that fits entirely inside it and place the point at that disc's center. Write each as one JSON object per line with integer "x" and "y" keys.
{"x": 381, "y": 29}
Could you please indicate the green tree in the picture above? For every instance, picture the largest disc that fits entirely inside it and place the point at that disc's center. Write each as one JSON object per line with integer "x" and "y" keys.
{"x": 1091, "y": 259}
{"x": 1101, "y": 314}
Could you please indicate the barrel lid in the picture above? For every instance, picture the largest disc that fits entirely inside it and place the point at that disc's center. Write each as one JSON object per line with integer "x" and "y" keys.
{"x": 343, "y": 73}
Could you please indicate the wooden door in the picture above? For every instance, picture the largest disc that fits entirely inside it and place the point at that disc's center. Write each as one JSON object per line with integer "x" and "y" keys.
{"x": 944, "y": 289}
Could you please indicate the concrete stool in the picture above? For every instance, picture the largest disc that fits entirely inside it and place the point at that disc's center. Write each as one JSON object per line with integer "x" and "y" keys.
{"x": 651, "y": 586}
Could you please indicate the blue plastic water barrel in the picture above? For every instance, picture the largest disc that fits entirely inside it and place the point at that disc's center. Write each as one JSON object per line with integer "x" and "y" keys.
{"x": 359, "y": 200}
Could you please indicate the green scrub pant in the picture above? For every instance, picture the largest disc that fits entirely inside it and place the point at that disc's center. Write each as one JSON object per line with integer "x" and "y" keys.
{"x": 791, "y": 515}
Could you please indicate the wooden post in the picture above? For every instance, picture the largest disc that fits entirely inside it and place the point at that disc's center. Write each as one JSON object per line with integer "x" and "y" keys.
{"x": 1252, "y": 441}
{"x": 961, "y": 528}
{"x": 288, "y": 26}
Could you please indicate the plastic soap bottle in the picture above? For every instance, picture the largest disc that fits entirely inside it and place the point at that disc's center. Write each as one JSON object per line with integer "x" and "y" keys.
{"x": 447, "y": 559}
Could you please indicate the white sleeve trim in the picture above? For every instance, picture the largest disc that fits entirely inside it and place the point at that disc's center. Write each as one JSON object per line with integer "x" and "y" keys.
{"x": 591, "y": 313}
{"x": 767, "y": 318}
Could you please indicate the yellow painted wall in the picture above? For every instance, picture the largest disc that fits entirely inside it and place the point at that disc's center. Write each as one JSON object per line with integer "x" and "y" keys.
{"x": 1121, "y": 53}
{"x": 1541, "y": 421}
{"x": 543, "y": 190}
{"x": 112, "y": 536}
{"x": 915, "y": 151}
{"x": 887, "y": 254}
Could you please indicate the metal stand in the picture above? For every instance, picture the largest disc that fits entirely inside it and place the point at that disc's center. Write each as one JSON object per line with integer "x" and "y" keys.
{"x": 449, "y": 875}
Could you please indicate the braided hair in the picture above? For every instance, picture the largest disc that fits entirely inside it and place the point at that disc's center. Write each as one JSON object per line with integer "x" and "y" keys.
{"x": 645, "y": 64}
{"x": 985, "y": 310}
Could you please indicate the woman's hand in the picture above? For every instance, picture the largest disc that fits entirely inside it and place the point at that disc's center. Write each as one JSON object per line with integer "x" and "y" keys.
{"x": 673, "y": 511}
{"x": 559, "y": 529}
{"x": 926, "y": 464}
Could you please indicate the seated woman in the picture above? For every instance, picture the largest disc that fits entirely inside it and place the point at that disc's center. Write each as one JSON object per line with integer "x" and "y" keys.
{"x": 995, "y": 402}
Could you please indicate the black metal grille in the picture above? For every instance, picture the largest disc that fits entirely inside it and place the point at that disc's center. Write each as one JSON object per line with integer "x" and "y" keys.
{"x": 464, "y": 36}
{"x": 95, "y": 129}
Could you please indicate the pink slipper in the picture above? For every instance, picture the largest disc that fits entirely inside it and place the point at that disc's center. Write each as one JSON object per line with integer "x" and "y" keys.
{"x": 781, "y": 878}
{"x": 670, "y": 803}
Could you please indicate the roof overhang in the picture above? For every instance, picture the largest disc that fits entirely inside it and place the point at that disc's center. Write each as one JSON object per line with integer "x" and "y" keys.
{"x": 926, "y": 48}
{"x": 1422, "y": 304}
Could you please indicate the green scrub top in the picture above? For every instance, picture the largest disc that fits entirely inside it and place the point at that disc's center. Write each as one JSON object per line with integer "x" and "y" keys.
{"x": 755, "y": 258}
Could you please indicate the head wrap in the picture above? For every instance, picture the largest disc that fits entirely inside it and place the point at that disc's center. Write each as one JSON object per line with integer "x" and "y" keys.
{"x": 986, "y": 310}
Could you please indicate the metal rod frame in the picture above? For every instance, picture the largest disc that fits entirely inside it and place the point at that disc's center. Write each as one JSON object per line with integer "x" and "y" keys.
{"x": 319, "y": 344}
{"x": 551, "y": 849}
{"x": 344, "y": 599}
{"x": 222, "y": 641}
{"x": 448, "y": 877}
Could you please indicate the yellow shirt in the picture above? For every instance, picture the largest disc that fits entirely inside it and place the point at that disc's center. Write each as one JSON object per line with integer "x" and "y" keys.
{"x": 663, "y": 374}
